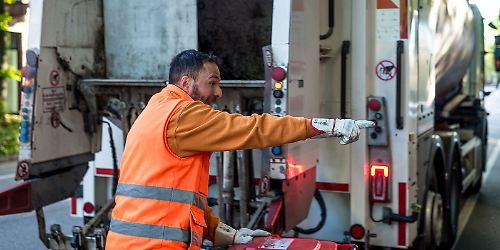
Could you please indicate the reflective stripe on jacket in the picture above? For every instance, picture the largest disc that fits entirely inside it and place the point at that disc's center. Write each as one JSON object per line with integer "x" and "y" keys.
{"x": 160, "y": 198}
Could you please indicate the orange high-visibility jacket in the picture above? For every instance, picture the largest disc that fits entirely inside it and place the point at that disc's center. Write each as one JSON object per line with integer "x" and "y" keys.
{"x": 161, "y": 197}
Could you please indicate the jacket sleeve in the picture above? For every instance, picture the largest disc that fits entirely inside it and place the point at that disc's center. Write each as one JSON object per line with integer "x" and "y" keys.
{"x": 212, "y": 222}
{"x": 196, "y": 127}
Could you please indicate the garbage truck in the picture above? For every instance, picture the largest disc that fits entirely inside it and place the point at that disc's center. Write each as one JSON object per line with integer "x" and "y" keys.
{"x": 414, "y": 67}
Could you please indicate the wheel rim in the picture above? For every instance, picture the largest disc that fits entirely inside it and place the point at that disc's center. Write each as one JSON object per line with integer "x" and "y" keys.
{"x": 437, "y": 219}
{"x": 434, "y": 218}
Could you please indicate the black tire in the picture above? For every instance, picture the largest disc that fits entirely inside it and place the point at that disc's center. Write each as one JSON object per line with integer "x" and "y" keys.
{"x": 453, "y": 201}
{"x": 434, "y": 218}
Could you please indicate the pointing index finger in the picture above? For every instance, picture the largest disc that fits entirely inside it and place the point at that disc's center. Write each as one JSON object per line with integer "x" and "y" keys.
{"x": 365, "y": 124}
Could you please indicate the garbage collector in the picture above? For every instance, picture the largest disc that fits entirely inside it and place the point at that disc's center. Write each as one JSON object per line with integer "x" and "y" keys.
{"x": 161, "y": 198}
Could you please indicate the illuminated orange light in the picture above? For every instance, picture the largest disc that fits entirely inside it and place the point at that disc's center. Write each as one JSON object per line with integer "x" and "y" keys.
{"x": 278, "y": 85}
{"x": 27, "y": 82}
{"x": 380, "y": 167}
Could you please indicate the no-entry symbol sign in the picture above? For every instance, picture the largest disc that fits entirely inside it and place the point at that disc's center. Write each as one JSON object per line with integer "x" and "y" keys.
{"x": 385, "y": 70}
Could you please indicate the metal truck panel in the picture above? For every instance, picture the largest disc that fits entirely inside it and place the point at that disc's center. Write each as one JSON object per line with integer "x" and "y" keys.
{"x": 75, "y": 29}
{"x": 453, "y": 46}
{"x": 475, "y": 76}
{"x": 426, "y": 76}
{"x": 333, "y": 166}
{"x": 35, "y": 24}
{"x": 281, "y": 25}
{"x": 56, "y": 119}
{"x": 303, "y": 76}
{"x": 362, "y": 81}
{"x": 143, "y": 36}
{"x": 394, "y": 51}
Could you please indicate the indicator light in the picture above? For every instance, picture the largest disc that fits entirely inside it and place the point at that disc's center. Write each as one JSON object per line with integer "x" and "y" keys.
{"x": 278, "y": 94}
{"x": 378, "y": 116}
{"x": 23, "y": 136}
{"x": 379, "y": 168}
{"x": 276, "y": 150}
{"x": 379, "y": 183}
{"x": 278, "y": 110}
{"x": 278, "y": 85}
{"x": 32, "y": 58}
{"x": 27, "y": 82}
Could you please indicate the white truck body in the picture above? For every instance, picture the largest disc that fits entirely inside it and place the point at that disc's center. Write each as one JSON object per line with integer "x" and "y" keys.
{"x": 110, "y": 56}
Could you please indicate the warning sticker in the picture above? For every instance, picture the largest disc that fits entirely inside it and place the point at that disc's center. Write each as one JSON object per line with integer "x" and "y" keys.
{"x": 275, "y": 243}
{"x": 53, "y": 99}
{"x": 385, "y": 70}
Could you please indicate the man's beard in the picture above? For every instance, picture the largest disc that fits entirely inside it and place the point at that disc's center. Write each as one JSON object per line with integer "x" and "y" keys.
{"x": 195, "y": 94}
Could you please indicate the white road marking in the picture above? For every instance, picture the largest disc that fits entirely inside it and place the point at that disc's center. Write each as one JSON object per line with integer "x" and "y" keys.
{"x": 491, "y": 160}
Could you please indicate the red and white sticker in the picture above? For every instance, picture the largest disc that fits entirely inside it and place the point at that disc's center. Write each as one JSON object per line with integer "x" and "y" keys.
{"x": 385, "y": 70}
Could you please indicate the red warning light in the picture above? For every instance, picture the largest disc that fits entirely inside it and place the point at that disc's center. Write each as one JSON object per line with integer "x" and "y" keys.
{"x": 88, "y": 207}
{"x": 374, "y": 104}
{"x": 377, "y": 168}
{"x": 278, "y": 73}
{"x": 357, "y": 231}
{"x": 379, "y": 178}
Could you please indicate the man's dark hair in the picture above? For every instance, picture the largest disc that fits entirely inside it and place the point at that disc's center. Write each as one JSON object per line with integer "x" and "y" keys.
{"x": 188, "y": 63}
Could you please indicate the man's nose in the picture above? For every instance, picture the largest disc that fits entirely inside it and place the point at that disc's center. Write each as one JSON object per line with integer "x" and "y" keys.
{"x": 218, "y": 92}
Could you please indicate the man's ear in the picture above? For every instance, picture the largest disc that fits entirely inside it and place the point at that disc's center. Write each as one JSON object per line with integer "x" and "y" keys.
{"x": 184, "y": 83}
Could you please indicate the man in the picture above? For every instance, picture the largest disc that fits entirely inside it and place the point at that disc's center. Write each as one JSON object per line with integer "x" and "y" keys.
{"x": 163, "y": 184}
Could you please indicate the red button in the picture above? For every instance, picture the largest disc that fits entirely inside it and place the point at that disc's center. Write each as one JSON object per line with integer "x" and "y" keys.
{"x": 374, "y": 105}
{"x": 278, "y": 73}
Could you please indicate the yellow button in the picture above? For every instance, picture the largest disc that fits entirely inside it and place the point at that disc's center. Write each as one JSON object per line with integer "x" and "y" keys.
{"x": 278, "y": 85}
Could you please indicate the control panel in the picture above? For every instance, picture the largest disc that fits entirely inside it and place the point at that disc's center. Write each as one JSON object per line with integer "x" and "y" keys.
{"x": 377, "y": 112}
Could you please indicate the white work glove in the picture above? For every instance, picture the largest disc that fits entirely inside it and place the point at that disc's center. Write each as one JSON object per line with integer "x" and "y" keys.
{"x": 226, "y": 235}
{"x": 245, "y": 235}
{"x": 347, "y": 130}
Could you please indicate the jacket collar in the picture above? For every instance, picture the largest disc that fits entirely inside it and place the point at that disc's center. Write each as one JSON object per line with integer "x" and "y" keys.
{"x": 174, "y": 89}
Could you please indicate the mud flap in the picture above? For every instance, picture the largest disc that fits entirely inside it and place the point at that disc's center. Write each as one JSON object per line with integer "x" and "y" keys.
{"x": 39, "y": 192}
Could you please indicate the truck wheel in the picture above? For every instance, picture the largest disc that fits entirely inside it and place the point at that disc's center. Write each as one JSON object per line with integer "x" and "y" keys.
{"x": 455, "y": 191}
{"x": 434, "y": 217}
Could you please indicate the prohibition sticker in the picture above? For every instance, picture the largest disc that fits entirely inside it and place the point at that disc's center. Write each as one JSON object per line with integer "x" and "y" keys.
{"x": 385, "y": 70}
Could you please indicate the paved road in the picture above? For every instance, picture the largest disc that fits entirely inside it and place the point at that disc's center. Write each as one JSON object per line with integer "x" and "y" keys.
{"x": 20, "y": 231}
{"x": 483, "y": 225}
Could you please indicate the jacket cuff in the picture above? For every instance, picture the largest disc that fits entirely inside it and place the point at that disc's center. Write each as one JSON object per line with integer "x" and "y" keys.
{"x": 212, "y": 223}
{"x": 224, "y": 235}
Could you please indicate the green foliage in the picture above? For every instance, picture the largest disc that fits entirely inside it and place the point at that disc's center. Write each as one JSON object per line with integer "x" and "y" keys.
{"x": 10, "y": 72}
{"x": 9, "y": 123}
{"x": 5, "y": 18}
{"x": 9, "y": 133}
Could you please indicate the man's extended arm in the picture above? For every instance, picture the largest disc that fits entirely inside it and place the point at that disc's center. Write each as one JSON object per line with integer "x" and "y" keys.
{"x": 196, "y": 127}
